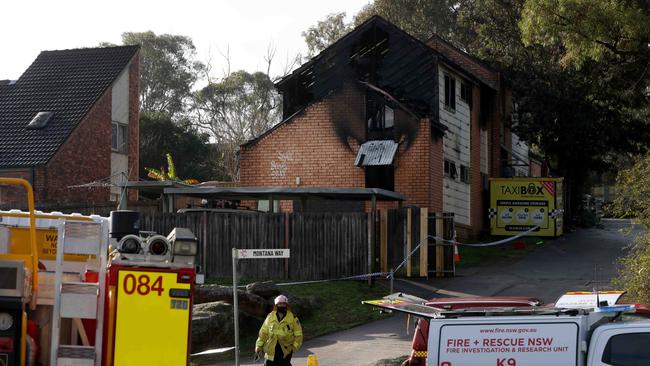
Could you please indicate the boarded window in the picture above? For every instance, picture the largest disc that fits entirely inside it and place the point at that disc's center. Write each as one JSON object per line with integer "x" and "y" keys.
{"x": 450, "y": 92}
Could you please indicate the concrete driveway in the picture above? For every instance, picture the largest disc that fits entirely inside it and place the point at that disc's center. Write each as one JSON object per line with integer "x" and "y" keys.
{"x": 560, "y": 265}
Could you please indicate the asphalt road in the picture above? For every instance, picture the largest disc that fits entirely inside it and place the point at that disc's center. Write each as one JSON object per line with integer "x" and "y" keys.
{"x": 560, "y": 265}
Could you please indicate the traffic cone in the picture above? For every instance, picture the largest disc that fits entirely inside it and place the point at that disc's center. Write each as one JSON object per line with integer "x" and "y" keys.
{"x": 456, "y": 254}
{"x": 312, "y": 361}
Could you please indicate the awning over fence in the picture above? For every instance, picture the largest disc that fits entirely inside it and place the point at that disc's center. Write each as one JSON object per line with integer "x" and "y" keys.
{"x": 287, "y": 193}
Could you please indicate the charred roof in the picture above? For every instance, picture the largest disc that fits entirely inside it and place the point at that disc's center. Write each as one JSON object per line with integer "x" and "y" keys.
{"x": 375, "y": 52}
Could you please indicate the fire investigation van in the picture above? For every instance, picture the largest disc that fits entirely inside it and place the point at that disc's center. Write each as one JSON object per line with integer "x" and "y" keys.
{"x": 580, "y": 329}
{"x": 90, "y": 290}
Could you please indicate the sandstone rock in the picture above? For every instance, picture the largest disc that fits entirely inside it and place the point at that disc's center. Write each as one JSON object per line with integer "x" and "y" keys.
{"x": 248, "y": 303}
{"x": 213, "y": 325}
{"x": 266, "y": 289}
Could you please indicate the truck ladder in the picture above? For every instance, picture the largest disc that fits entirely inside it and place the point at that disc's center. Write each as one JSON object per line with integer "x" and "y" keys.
{"x": 79, "y": 300}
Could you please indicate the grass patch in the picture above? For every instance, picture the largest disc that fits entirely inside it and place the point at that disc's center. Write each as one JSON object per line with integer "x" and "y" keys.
{"x": 340, "y": 308}
{"x": 472, "y": 256}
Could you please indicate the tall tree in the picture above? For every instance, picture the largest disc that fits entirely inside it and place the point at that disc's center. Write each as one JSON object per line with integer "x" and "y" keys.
{"x": 159, "y": 135}
{"x": 579, "y": 117}
{"x": 168, "y": 71}
{"x": 587, "y": 29}
{"x": 327, "y": 31}
{"x": 236, "y": 109}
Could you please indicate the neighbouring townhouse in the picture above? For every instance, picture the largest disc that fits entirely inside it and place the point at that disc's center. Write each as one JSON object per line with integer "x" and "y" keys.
{"x": 381, "y": 109}
{"x": 69, "y": 125}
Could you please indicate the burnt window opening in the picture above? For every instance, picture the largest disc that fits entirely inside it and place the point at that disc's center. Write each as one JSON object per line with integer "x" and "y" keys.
{"x": 450, "y": 92}
{"x": 466, "y": 93}
{"x": 464, "y": 174}
{"x": 380, "y": 117}
{"x": 380, "y": 176}
{"x": 450, "y": 169}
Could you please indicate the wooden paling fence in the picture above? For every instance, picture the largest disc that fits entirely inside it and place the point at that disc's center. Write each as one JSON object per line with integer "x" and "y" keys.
{"x": 323, "y": 245}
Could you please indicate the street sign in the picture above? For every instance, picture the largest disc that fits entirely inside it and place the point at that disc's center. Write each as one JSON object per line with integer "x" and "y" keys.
{"x": 262, "y": 253}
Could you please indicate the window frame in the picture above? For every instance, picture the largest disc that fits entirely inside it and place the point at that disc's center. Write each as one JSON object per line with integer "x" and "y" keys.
{"x": 464, "y": 173}
{"x": 450, "y": 92}
{"x": 450, "y": 169}
{"x": 466, "y": 92}
{"x": 119, "y": 145}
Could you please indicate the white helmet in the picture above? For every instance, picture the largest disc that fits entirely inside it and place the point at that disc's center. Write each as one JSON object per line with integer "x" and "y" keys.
{"x": 281, "y": 300}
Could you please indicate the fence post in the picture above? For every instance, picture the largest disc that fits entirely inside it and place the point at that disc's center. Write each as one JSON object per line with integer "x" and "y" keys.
{"x": 409, "y": 267}
{"x": 440, "y": 249}
{"x": 383, "y": 250}
{"x": 286, "y": 244}
{"x": 424, "y": 244}
{"x": 371, "y": 222}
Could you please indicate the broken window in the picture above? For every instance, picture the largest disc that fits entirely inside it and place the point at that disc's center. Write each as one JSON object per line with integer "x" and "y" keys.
{"x": 466, "y": 93}
{"x": 450, "y": 92}
{"x": 450, "y": 169}
{"x": 464, "y": 174}
{"x": 380, "y": 117}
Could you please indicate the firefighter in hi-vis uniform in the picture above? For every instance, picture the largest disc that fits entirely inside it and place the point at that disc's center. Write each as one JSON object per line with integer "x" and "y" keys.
{"x": 280, "y": 335}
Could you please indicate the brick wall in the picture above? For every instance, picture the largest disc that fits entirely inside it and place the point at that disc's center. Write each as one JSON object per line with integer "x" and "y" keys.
{"x": 310, "y": 147}
{"x": 83, "y": 158}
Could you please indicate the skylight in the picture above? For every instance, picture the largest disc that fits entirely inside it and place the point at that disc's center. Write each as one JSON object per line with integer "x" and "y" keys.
{"x": 40, "y": 120}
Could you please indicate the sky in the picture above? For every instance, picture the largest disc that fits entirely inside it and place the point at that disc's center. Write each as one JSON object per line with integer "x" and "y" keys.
{"x": 242, "y": 28}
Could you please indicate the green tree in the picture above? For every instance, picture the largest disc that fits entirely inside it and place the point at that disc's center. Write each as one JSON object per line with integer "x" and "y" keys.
{"x": 327, "y": 31}
{"x": 588, "y": 29}
{"x": 168, "y": 71}
{"x": 633, "y": 200}
{"x": 159, "y": 135}
{"x": 236, "y": 109}
{"x": 419, "y": 18}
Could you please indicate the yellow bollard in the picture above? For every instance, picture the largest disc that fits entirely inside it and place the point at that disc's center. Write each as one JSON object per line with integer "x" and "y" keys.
{"x": 312, "y": 361}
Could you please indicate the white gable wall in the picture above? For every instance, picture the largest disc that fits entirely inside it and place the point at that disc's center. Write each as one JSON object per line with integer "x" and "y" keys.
{"x": 456, "y": 148}
{"x": 120, "y": 113}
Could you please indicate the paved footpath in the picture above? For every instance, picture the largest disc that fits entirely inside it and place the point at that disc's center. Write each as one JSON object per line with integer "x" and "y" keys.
{"x": 360, "y": 346}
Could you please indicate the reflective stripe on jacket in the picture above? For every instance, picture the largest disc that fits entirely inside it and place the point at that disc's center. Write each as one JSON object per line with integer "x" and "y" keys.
{"x": 287, "y": 332}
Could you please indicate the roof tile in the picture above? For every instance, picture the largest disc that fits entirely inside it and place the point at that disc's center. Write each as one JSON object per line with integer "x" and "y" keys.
{"x": 67, "y": 83}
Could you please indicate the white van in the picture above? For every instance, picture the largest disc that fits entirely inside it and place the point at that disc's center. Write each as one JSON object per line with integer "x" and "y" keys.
{"x": 614, "y": 335}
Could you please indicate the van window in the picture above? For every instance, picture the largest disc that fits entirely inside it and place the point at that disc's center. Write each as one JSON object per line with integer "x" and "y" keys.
{"x": 629, "y": 349}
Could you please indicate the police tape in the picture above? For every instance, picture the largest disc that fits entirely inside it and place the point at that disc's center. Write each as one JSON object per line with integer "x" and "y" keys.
{"x": 213, "y": 351}
{"x": 452, "y": 242}
{"x": 446, "y": 242}
{"x": 348, "y": 278}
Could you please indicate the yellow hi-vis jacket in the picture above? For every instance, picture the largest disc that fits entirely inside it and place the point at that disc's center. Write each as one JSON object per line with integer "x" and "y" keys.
{"x": 287, "y": 332}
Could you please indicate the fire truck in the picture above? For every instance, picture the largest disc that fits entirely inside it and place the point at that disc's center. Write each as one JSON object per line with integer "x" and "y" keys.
{"x": 580, "y": 329}
{"x": 90, "y": 290}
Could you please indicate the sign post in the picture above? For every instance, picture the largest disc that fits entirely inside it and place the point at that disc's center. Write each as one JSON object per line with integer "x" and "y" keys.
{"x": 238, "y": 254}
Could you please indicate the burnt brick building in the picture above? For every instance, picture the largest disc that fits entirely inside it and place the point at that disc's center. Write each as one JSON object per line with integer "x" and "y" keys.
{"x": 71, "y": 119}
{"x": 381, "y": 109}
